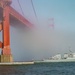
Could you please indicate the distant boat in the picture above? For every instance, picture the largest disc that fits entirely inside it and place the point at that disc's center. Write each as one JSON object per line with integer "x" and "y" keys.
{"x": 57, "y": 58}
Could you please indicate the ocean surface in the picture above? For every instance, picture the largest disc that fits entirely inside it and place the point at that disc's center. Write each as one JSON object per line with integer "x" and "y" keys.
{"x": 39, "y": 69}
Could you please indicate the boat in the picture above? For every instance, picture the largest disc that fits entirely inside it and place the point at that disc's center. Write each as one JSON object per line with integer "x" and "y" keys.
{"x": 58, "y": 58}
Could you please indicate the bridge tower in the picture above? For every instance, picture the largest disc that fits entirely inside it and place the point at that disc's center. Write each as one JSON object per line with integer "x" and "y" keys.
{"x": 8, "y": 13}
{"x": 6, "y": 55}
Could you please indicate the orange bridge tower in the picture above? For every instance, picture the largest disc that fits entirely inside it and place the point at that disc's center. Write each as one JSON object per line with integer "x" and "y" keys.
{"x": 7, "y": 13}
{"x": 5, "y": 29}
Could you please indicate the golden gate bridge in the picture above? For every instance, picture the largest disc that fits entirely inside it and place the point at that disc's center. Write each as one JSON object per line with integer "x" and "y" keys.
{"x": 9, "y": 15}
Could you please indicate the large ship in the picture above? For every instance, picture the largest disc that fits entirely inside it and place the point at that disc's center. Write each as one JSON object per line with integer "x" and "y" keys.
{"x": 58, "y": 58}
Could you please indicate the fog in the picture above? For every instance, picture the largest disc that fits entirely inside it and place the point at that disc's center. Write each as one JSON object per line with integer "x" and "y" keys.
{"x": 44, "y": 42}
{"x": 38, "y": 44}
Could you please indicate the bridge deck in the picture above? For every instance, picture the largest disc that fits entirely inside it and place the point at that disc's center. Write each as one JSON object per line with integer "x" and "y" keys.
{"x": 16, "y": 18}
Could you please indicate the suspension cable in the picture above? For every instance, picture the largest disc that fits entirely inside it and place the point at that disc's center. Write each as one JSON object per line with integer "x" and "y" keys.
{"x": 20, "y": 7}
{"x": 34, "y": 10}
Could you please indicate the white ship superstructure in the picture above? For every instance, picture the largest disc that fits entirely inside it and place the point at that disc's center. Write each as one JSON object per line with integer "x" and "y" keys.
{"x": 58, "y": 58}
{"x": 65, "y": 55}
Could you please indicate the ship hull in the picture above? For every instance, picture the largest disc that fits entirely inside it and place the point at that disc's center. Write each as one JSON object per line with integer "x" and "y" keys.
{"x": 61, "y": 60}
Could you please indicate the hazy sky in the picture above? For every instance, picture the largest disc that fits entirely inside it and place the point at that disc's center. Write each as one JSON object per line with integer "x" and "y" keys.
{"x": 48, "y": 41}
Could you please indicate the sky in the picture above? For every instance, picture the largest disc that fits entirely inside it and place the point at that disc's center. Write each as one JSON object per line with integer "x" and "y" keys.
{"x": 45, "y": 41}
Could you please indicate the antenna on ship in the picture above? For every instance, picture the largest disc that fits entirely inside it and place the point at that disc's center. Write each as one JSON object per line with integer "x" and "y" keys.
{"x": 70, "y": 50}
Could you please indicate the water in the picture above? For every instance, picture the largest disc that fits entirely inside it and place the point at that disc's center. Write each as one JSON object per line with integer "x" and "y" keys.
{"x": 39, "y": 69}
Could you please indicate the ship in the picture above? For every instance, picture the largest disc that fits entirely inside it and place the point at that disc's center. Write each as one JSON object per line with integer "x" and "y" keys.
{"x": 58, "y": 58}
